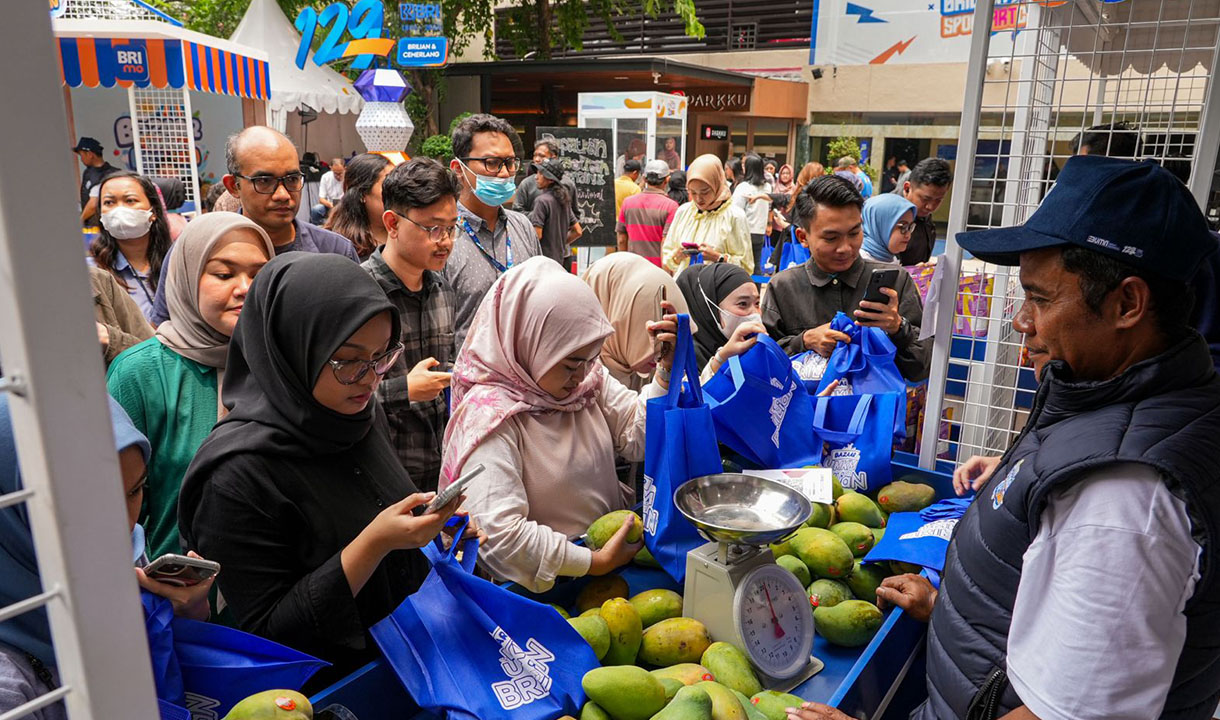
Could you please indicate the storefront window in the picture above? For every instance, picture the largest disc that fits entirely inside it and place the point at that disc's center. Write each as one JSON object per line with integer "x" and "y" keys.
{"x": 630, "y": 142}
{"x": 771, "y": 139}
{"x": 739, "y": 129}
{"x": 671, "y": 143}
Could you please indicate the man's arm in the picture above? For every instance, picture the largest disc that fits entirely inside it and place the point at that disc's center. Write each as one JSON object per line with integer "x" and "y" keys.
{"x": 88, "y": 211}
{"x": 622, "y": 241}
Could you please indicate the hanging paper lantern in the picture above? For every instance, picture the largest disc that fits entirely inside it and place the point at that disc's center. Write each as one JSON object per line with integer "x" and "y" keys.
{"x": 383, "y": 125}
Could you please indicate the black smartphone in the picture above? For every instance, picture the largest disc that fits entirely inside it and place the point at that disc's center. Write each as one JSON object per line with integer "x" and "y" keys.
{"x": 881, "y": 278}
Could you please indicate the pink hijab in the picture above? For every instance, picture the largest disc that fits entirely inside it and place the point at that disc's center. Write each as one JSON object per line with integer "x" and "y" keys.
{"x": 535, "y": 315}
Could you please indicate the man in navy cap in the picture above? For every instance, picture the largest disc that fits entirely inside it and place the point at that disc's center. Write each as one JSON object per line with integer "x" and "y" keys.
{"x": 96, "y": 169}
{"x": 1084, "y": 581}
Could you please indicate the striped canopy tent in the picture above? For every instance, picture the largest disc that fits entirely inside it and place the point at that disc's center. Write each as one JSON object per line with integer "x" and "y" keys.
{"x": 130, "y": 45}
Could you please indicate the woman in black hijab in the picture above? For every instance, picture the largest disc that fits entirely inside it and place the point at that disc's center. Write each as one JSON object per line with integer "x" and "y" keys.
{"x": 722, "y": 299}
{"x": 297, "y": 492}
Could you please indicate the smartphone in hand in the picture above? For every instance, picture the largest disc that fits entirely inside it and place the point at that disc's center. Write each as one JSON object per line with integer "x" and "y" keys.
{"x": 446, "y": 496}
{"x": 181, "y": 570}
{"x": 881, "y": 278}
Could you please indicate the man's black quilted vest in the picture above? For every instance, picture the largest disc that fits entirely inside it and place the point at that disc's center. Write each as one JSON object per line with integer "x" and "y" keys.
{"x": 1164, "y": 412}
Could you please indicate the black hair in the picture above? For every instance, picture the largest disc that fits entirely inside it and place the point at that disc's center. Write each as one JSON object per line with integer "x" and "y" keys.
{"x": 677, "y": 187}
{"x": 550, "y": 146}
{"x": 903, "y": 161}
{"x": 1119, "y": 140}
{"x": 828, "y": 190}
{"x": 213, "y": 194}
{"x": 560, "y": 191}
{"x": 463, "y": 134}
{"x": 173, "y": 192}
{"x": 349, "y": 218}
{"x": 752, "y": 166}
{"x": 631, "y": 166}
{"x": 1172, "y": 300}
{"x": 105, "y": 249}
{"x": 931, "y": 171}
{"x": 418, "y": 183}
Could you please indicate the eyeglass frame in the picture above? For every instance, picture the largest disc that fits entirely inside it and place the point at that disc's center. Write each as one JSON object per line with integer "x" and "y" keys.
{"x": 501, "y": 160}
{"x": 281, "y": 180}
{"x": 367, "y": 365}
{"x": 910, "y": 227}
{"x": 430, "y": 230}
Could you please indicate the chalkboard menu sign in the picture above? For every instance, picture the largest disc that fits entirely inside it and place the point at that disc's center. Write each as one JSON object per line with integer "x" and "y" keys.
{"x": 586, "y": 156}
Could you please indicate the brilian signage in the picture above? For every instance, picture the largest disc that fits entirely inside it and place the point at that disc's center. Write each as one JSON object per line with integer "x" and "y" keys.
{"x": 719, "y": 99}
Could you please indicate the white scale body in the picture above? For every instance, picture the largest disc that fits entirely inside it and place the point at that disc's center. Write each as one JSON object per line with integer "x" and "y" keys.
{"x": 740, "y": 595}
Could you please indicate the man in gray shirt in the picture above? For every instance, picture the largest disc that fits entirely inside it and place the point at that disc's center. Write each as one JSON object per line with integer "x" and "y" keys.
{"x": 528, "y": 191}
{"x": 490, "y": 239}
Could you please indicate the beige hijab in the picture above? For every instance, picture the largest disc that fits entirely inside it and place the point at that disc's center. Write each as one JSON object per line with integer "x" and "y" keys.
{"x": 709, "y": 169}
{"x": 186, "y": 332}
{"x": 629, "y": 289}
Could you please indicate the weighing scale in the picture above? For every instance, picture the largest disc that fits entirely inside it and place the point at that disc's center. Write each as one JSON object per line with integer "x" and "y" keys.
{"x": 733, "y": 585}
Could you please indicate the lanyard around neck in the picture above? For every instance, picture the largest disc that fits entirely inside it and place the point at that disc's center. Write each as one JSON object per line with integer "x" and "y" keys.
{"x": 508, "y": 247}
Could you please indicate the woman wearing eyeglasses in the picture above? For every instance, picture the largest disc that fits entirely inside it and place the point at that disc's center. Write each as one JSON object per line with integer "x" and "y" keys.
{"x": 888, "y": 222}
{"x": 297, "y": 492}
{"x": 171, "y": 384}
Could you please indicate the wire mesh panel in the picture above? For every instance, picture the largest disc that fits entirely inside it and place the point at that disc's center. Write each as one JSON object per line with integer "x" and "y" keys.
{"x": 164, "y": 135}
{"x": 111, "y": 10}
{"x": 1125, "y": 79}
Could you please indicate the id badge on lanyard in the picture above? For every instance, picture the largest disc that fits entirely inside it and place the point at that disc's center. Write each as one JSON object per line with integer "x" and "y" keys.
{"x": 508, "y": 247}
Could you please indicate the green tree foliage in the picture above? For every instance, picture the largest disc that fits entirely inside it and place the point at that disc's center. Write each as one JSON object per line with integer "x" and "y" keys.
{"x": 534, "y": 25}
{"x": 439, "y": 147}
{"x": 845, "y": 146}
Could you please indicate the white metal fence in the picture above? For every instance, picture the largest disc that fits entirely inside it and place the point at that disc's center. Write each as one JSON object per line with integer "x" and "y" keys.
{"x": 163, "y": 131}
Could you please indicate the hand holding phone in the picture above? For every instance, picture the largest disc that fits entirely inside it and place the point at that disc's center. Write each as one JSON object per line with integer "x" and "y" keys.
{"x": 880, "y": 309}
{"x": 690, "y": 248}
{"x": 180, "y": 570}
{"x": 881, "y": 278}
{"x": 446, "y": 496}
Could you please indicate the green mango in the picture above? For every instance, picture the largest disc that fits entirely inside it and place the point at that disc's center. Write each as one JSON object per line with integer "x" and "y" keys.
{"x": 625, "y": 692}
{"x": 796, "y": 567}
{"x": 752, "y": 713}
{"x": 828, "y": 593}
{"x": 272, "y": 705}
{"x": 671, "y": 686}
{"x": 851, "y": 623}
{"x": 865, "y": 579}
{"x": 690, "y": 703}
{"x": 854, "y": 507}
{"x": 823, "y": 516}
{"x": 725, "y": 705}
{"x": 562, "y": 613}
{"x": 685, "y": 673}
{"x": 599, "y": 590}
{"x": 772, "y": 704}
{"x": 591, "y": 612}
{"x": 902, "y": 568}
{"x": 595, "y": 631}
{"x": 644, "y": 558}
{"x": 858, "y": 537}
{"x": 903, "y": 496}
{"x": 781, "y": 549}
{"x": 603, "y": 528}
{"x": 731, "y": 668}
{"x": 674, "y": 641}
{"x": 836, "y": 488}
{"x": 878, "y": 533}
{"x": 823, "y": 552}
{"x": 626, "y": 632}
{"x": 657, "y": 605}
{"x": 592, "y": 711}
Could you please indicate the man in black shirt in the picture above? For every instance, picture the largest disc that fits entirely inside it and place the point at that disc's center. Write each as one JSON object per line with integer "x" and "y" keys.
{"x": 96, "y": 169}
{"x": 927, "y": 187}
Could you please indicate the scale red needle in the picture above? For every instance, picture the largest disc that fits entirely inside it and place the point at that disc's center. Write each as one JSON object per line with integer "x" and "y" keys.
{"x": 779, "y": 631}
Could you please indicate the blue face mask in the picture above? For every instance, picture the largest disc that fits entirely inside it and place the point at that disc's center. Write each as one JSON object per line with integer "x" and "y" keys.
{"x": 492, "y": 190}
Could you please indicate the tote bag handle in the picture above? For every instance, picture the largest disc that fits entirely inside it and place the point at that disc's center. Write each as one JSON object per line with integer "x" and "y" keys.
{"x": 854, "y": 429}
{"x": 685, "y": 368}
{"x": 435, "y": 551}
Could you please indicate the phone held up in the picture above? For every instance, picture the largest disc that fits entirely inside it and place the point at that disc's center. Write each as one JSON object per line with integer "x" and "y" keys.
{"x": 881, "y": 278}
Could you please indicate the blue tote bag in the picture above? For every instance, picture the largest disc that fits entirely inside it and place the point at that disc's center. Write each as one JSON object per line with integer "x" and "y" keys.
{"x": 680, "y": 445}
{"x": 210, "y": 668}
{"x": 793, "y": 253}
{"x": 762, "y": 409}
{"x": 467, "y": 648}
{"x": 859, "y": 439}
{"x": 866, "y": 366}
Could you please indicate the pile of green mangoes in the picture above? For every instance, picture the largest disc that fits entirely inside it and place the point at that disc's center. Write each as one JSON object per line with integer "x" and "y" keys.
{"x": 272, "y": 705}
{"x": 825, "y": 556}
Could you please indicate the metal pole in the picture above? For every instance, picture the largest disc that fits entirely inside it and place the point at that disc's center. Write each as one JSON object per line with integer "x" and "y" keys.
{"x": 959, "y": 210}
{"x": 137, "y": 150}
{"x": 66, "y": 447}
{"x": 1207, "y": 144}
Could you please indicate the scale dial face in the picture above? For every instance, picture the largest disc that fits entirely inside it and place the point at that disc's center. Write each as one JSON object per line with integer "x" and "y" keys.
{"x": 774, "y": 620}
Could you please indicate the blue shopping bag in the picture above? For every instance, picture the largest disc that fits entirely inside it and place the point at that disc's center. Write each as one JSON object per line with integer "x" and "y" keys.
{"x": 681, "y": 444}
{"x": 210, "y": 668}
{"x": 859, "y": 437}
{"x": 866, "y": 366}
{"x": 468, "y": 648}
{"x": 910, "y": 538}
{"x": 762, "y": 409}
{"x": 793, "y": 253}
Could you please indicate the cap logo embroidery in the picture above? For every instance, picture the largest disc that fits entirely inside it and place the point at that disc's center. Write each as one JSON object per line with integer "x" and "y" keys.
{"x": 1094, "y": 240}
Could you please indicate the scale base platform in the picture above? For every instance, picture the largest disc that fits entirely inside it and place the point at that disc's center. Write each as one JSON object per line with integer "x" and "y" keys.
{"x": 814, "y": 667}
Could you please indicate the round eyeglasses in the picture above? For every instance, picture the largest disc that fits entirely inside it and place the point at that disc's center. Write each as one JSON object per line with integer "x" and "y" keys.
{"x": 349, "y": 372}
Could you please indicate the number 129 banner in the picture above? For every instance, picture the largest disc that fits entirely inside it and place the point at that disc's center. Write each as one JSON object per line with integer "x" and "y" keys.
{"x": 364, "y": 23}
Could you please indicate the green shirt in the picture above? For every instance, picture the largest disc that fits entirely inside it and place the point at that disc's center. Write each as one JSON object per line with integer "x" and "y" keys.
{"x": 172, "y": 400}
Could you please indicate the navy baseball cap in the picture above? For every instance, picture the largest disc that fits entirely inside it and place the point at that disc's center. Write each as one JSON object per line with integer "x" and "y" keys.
{"x": 1135, "y": 212}
{"x": 88, "y": 143}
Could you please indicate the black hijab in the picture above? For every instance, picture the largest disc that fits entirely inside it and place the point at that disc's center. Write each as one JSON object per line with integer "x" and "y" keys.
{"x": 714, "y": 282}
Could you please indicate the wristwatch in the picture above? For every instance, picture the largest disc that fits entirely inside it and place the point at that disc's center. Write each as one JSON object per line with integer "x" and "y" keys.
{"x": 902, "y": 326}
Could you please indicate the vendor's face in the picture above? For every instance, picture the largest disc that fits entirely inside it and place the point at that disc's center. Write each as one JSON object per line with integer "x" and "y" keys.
{"x": 567, "y": 375}
{"x": 369, "y": 342}
{"x": 742, "y": 301}
{"x": 1057, "y": 323}
{"x": 135, "y": 475}
{"x": 235, "y": 260}
{"x": 900, "y": 235}
{"x": 834, "y": 237}
{"x": 670, "y": 143}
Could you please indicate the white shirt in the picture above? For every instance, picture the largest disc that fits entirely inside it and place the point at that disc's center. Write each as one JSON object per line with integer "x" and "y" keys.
{"x": 758, "y": 214}
{"x": 330, "y": 187}
{"x": 1098, "y": 624}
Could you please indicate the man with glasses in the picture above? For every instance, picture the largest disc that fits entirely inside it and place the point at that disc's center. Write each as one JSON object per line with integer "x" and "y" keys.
{"x": 528, "y": 191}
{"x": 265, "y": 174}
{"x": 490, "y": 238}
{"x": 421, "y": 220}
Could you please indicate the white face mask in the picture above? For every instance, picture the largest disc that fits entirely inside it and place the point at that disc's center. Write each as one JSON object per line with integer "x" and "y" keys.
{"x": 730, "y": 322}
{"x": 126, "y": 223}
